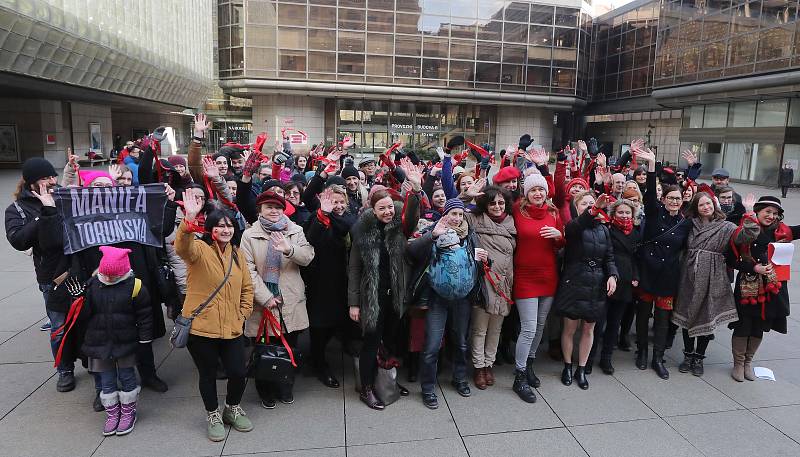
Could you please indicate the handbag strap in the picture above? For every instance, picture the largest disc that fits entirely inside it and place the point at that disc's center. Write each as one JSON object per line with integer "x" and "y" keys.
{"x": 268, "y": 321}
{"x": 202, "y": 306}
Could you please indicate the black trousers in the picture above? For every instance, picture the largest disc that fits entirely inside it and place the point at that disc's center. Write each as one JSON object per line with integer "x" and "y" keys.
{"x": 386, "y": 331}
{"x": 145, "y": 360}
{"x": 205, "y": 352}
{"x": 660, "y": 325}
{"x": 689, "y": 345}
{"x": 269, "y": 390}
{"x": 607, "y": 328}
{"x": 627, "y": 318}
{"x": 320, "y": 337}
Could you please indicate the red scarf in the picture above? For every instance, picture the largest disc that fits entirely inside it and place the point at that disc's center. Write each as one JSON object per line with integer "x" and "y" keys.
{"x": 623, "y": 225}
{"x": 497, "y": 219}
{"x": 537, "y": 213}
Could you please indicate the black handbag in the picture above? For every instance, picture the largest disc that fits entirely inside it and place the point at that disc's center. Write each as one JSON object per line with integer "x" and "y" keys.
{"x": 273, "y": 362}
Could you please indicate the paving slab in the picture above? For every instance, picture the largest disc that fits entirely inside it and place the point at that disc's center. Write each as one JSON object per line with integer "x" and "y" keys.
{"x": 533, "y": 443}
{"x": 784, "y": 418}
{"x": 19, "y": 381}
{"x": 31, "y": 345}
{"x": 22, "y": 309}
{"x": 752, "y": 394}
{"x": 733, "y": 433}
{"x": 652, "y": 437}
{"x": 325, "y": 452}
{"x": 681, "y": 394}
{"x": 447, "y": 447}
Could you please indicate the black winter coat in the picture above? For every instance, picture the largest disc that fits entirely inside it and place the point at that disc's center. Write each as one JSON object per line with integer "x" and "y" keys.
{"x": 38, "y": 228}
{"x": 664, "y": 239}
{"x": 626, "y": 262}
{"x": 326, "y": 287}
{"x": 786, "y": 176}
{"x": 115, "y": 322}
{"x": 588, "y": 263}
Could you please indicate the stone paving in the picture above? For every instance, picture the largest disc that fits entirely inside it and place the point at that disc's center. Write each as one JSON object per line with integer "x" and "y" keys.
{"x": 632, "y": 413}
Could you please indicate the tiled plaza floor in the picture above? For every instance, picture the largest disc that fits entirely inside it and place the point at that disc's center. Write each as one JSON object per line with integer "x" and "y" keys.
{"x": 632, "y": 413}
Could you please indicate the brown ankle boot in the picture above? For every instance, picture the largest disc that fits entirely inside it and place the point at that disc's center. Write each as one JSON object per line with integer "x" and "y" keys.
{"x": 370, "y": 399}
{"x": 738, "y": 348}
{"x": 480, "y": 378}
{"x": 752, "y": 347}
{"x": 489, "y": 376}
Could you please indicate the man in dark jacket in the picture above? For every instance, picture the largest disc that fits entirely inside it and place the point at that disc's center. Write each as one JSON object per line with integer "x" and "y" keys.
{"x": 786, "y": 177}
{"x": 32, "y": 223}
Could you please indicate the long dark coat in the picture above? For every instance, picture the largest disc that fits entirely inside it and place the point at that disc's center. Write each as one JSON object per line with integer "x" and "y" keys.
{"x": 626, "y": 262}
{"x": 588, "y": 263}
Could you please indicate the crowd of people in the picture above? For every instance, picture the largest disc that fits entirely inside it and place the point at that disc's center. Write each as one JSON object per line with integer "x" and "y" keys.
{"x": 406, "y": 261}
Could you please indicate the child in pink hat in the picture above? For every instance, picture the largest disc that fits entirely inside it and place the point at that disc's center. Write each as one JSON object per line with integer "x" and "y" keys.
{"x": 118, "y": 318}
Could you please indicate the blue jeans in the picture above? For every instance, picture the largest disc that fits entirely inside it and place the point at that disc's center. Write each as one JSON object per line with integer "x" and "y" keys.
{"x": 56, "y": 321}
{"x": 435, "y": 322}
{"x": 127, "y": 380}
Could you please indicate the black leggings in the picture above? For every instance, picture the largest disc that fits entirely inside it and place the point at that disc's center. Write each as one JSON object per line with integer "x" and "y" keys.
{"x": 660, "y": 325}
{"x": 270, "y": 390}
{"x": 320, "y": 337}
{"x": 689, "y": 343}
{"x": 385, "y": 331}
{"x": 205, "y": 352}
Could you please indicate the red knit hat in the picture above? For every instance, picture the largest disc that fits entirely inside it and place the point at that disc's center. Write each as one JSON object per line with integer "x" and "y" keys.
{"x": 506, "y": 174}
{"x": 580, "y": 181}
{"x": 270, "y": 197}
{"x": 115, "y": 261}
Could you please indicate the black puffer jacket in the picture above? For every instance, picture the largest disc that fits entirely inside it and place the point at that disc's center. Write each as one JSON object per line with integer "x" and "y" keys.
{"x": 588, "y": 263}
{"x": 115, "y": 322}
{"x": 29, "y": 225}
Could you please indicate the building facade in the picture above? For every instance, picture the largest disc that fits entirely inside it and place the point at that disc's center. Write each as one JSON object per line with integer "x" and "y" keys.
{"x": 409, "y": 70}
{"x": 87, "y": 74}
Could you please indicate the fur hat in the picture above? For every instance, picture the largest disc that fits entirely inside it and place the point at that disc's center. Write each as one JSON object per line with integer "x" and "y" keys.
{"x": 534, "y": 180}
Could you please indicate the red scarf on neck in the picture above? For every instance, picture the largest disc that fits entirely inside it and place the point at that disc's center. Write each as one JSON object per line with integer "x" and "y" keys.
{"x": 623, "y": 225}
{"x": 537, "y": 212}
{"x": 497, "y": 219}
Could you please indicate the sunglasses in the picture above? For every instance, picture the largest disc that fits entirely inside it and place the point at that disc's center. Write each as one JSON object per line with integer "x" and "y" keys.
{"x": 497, "y": 203}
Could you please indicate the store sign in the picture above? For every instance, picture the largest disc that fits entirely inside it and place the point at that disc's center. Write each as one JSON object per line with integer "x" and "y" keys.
{"x": 298, "y": 138}
{"x": 418, "y": 127}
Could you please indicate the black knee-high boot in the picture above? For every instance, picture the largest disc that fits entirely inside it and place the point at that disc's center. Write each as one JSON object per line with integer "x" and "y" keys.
{"x": 660, "y": 330}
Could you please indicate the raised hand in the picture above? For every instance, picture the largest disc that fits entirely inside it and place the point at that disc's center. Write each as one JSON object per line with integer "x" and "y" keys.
{"x": 582, "y": 147}
{"x": 44, "y": 195}
{"x": 169, "y": 191}
{"x": 201, "y": 125}
{"x": 326, "y": 201}
{"x": 280, "y": 242}
{"x": 210, "y": 168}
{"x": 440, "y": 228}
{"x": 637, "y": 145}
{"x": 72, "y": 159}
{"x": 601, "y": 160}
{"x": 689, "y": 157}
{"x": 538, "y": 156}
{"x": 646, "y": 155}
{"x": 115, "y": 171}
{"x": 191, "y": 206}
{"x": 602, "y": 201}
{"x": 347, "y": 142}
{"x": 749, "y": 202}
{"x": 476, "y": 189}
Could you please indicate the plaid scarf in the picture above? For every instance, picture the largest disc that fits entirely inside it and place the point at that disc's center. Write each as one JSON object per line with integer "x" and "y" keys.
{"x": 273, "y": 272}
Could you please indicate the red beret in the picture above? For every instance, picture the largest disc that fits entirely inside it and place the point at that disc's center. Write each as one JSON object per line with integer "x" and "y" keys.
{"x": 506, "y": 174}
{"x": 270, "y": 197}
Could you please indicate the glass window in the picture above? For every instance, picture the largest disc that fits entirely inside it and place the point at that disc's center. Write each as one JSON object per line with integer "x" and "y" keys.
{"x": 715, "y": 116}
{"x": 407, "y": 67}
{"x": 322, "y": 39}
{"x": 462, "y": 49}
{"x": 380, "y": 21}
{"x": 292, "y": 60}
{"x": 794, "y": 117}
{"x": 351, "y": 63}
{"x": 379, "y": 65}
{"x": 487, "y": 72}
{"x": 517, "y": 12}
{"x": 320, "y": 16}
{"x": 791, "y": 154}
{"x": 380, "y": 4}
{"x": 538, "y": 55}
{"x": 742, "y": 114}
{"x": 512, "y": 53}
{"x": 350, "y": 19}
{"x": 407, "y": 23}
{"x": 771, "y": 113}
{"x": 261, "y": 13}
{"x": 541, "y": 14}
{"x": 380, "y": 44}
{"x": 742, "y": 49}
{"x": 261, "y": 35}
{"x": 487, "y": 9}
{"x": 567, "y": 17}
{"x": 565, "y": 38}
{"x": 436, "y": 7}
{"x": 291, "y": 14}
{"x": 323, "y": 2}
{"x": 237, "y": 57}
{"x": 351, "y": 41}
{"x": 515, "y": 33}
{"x": 538, "y": 76}
{"x": 434, "y": 68}
{"x": 693, "y": 117}
{"x": 737, "y": 159}
{"x": 489, "y": 51}
{"x": 407, "y": 45}
{"x": 765, "y": 164}
{"x": 322, "y": 61}
{"x": 261, "y": 58}
{"x": 512, "y": 74}
{"x": 435, "y": 47}
{"x": 462, "y": 30}
{"x": 408, "y": 5}
{"x": 290, "y": 37}
{"x": 565, "y": 57}
{"x": 540, "y": 35}
{"x": 461, "y": 70}
{"x": 491, "y": 31}
{"x": 775, "y": 43}
{"x": 713, "y": 55}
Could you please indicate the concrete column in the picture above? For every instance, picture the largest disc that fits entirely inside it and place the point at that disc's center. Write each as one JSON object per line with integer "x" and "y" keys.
{"x": 307, "y": 113}
{"x": 515, "y": 121}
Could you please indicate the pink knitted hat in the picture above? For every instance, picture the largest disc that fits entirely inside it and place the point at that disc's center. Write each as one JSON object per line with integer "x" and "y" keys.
{"x": 88, "y": 176}
{"x": 115, "y": 261}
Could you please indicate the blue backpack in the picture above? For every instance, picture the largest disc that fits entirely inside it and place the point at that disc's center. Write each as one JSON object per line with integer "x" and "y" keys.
{"x": 452, "y": 273}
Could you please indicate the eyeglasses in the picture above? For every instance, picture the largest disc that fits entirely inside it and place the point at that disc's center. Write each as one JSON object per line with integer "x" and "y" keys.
{"x": 673, "y": 199}
{"x": 294, "y": 192}
{"x": 497, "y": 203}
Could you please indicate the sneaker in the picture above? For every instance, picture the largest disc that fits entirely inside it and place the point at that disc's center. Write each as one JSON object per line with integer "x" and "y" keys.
{"x": 269, "y": 403}
{"x": 235, "y": 416}
{"x": 45, "y": 327}
{"x": 430, "y": 401}
{"x": 66, "y": 381}
{"x": 287, "y": 399}
{"x": 216, "y": 431}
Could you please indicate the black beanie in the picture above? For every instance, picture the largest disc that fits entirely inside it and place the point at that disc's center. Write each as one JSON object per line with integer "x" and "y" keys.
{"x": 37, "y": 168}
{"x": 348, "y": 171}
{"x": 266, "y": 185}
{"x": 334, "y": 180}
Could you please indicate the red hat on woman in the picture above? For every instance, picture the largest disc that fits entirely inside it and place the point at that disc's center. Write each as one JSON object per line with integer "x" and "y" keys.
{"x": 575, "y": 181}
{"x": 270, "y": 197}
{"x": 506, "y": 174}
